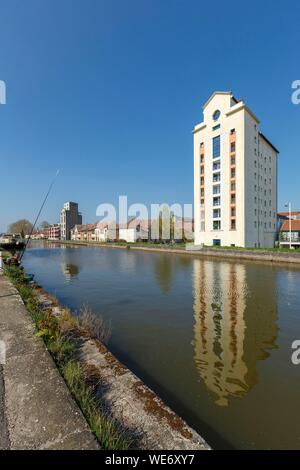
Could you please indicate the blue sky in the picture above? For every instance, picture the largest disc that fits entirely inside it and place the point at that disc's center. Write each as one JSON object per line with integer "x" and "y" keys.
{"x": 109, "y": 92}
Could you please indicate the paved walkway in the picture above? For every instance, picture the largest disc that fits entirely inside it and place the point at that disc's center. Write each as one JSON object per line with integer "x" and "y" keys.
{"x": 36, "y": 409}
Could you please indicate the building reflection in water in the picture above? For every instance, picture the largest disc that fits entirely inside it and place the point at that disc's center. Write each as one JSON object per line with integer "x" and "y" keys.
{"x": 68, "y": 267}
{"x": 166, "y": 267}
{"x": 235, "y": 326}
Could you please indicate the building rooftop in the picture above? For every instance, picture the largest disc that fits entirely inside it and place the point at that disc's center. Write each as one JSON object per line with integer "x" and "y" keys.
{"x": 295, "y": 226}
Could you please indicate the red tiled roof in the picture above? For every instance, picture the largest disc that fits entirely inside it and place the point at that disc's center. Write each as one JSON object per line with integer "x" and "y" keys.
{"x": 85, "y": 227}
{"x": 295, "y": 225}
{"x": 286, "y": 214}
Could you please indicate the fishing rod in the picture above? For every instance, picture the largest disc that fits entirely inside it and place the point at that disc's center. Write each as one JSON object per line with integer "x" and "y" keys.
{"x": 38, "y": 215}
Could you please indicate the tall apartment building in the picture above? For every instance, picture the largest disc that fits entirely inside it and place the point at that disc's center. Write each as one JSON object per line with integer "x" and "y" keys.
{"x": 69, "y": 217}
{"x": 235, "y": 177}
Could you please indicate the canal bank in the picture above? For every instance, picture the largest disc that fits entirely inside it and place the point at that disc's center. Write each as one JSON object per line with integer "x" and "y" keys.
{"x": 130, "y": 406}
{"x": 36, "y": 408}
{"x": 270, "y": 256}
{"x": 211, "y": 337}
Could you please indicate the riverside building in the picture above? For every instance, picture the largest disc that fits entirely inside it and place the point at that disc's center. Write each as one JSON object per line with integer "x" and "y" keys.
{"x": 69, "y": 217}
{"x": 235, "y": 177}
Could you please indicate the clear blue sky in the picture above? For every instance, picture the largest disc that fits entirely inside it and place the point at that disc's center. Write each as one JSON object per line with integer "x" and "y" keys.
{"x": 109, "y": 91}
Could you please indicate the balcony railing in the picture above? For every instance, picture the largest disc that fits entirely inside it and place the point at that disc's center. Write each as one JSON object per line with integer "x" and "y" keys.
{"x": 286, "y": 238}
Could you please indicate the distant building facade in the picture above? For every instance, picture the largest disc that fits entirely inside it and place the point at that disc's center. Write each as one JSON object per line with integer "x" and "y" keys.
{"x": 53, "y": 232}
{"x": 289, "y": 229}
{"x": 289, "y": 233}
{"x": 135, "y": 230}
{"x": 85, "y": 232}
{"x": 235, "y": 177}
{"x": 69, "y": 217}
{"x": 106, "y": 231}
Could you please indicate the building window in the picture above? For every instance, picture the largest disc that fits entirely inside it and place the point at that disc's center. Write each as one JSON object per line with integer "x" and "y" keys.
{"x": 233, "y": 224}
{"x": 217, "y": 213}
{"x": 232, "y": 147}
{"x": 232, "y": 199}
{"x": 217, "y": 225}
{"x": 202, "y": 181}
{"x": 232, "y": 160}
{"x": 233, "y": 212}
{"x": 216, "y": 201}
{"x": 216, "y": 189}
{"x": 232, "y": 187}
{"x": 202, "y": 145}
{"x": 201, "y": 158}
{"x": 216, "y": 115}
{"x": 202, "y": 170}
{"x": 216, "y": 147}
{"x": 232, "y": 173}
{"x": 216, "y": 127}
{"x": 216, "y": 242}
{"x": 216, "y": 166}
{"x": 232, "y": 131}
{"x": 216, "y": 177}
{"x": 202, "y": 203}
{"x": 202, "y": 192}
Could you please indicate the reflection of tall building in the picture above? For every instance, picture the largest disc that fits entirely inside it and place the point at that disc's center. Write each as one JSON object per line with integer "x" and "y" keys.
{"x": 165, "y": 267}
{"x": 70, "y": 263}
{"x": 229, "y": 335}
{"x": 69, "y": 270}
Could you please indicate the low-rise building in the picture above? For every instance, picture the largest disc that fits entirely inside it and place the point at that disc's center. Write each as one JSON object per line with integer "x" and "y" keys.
{"x": 53, "y": 232}
{"x": 135, "y": 230}
{"x": 106, "y": 231}
{"x": 85, "y": 232}
{"x": 289, "y": 233}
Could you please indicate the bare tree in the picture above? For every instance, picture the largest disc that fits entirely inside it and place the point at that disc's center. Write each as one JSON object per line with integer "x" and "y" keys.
{"x": 22, "y": 226}
{"x": 44, "y": 225}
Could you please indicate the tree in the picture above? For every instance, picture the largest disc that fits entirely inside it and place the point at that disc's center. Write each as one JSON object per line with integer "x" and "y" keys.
{"x": 44, "y": 225}
{"x": 22, "y": 226}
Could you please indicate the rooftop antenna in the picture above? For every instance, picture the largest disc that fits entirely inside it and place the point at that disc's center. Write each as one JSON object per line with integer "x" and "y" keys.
{"x": 38, "y": 215}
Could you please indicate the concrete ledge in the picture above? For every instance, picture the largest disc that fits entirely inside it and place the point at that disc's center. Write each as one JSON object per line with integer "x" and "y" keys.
{"x": 36, "y": 408}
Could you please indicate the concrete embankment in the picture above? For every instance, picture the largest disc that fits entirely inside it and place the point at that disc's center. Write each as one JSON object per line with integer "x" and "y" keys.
{"x": 251, "y": 255}
{"x": 140, "y": 413}
{"x": 36, "y": 408}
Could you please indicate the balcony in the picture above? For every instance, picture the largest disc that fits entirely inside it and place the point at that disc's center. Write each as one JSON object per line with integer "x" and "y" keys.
{"x": 285, "y": 238}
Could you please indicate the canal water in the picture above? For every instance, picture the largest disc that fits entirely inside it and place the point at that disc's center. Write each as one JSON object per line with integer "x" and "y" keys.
{"x": 212, "y": 338}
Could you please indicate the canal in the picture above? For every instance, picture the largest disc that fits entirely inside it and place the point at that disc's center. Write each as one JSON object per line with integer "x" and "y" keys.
{"x": 212, "y": 338}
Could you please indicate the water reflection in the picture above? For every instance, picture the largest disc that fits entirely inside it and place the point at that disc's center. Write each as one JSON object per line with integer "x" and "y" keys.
{"x": 233, "y": 327}
{"x": 68, "y": 266}
{"x": 166, "y": 268}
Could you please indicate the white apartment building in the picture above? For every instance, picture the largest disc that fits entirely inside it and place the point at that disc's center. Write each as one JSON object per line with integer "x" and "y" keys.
{"x": 235, "y": 177}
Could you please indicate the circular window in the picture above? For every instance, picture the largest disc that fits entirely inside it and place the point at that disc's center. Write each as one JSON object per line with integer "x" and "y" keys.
{"x": 216, "y": 115}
